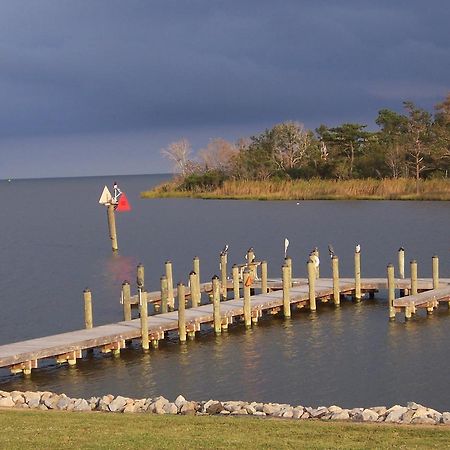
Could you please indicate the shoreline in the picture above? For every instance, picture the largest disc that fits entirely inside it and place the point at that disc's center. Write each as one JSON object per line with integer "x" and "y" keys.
{"x": 315, "y": 189}
{"x": 411, "y": 414}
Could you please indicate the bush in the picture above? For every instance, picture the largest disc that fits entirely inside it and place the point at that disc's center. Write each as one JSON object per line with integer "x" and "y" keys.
{"x": 211, "y": 179}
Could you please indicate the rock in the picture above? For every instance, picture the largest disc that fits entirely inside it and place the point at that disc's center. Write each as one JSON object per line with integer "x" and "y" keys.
{"x": 179, "y": 402}
{"x": 239, "y": 412}
{"x": 297, "y": 412}
{"x": 62, "y": 403}
{"x": 269, "y": 409}
{"x": 233, "y": 406}
{"x": 380, "y": 410}
{"x": 215, "y": 408}
{"x": 367, "y": 415}
{"x": 341, "y": 415}
{"x": 334, "y": 409}
{"x": 258, "y": 406}
{"x": 17, "y": 397}
{"x": 305, "y": 415}
{"x": 188, "y": 409}
{"x": 157, "y": 405}
{"x": 81, "y": 405}
{"x": 413, "y": 405}
{"x": 259, "y": 413}
{"x": 42, "y": 407}
{"x": 446, "y": 418}
{"x": 170, "y": 408}
{"x": 288, "y": 413}
{"x": 319, "y": 412}
{"x": 250, "y": 409}
{"x": 395, "y": 413}
{"x": 118, "y": 404}
{"x": 6, "y": 402}
{"x": 407, "y": 417}
{"x": 224, "y": 412}
{"x": 32, "y": 399}
{"x": 423, "y": 420}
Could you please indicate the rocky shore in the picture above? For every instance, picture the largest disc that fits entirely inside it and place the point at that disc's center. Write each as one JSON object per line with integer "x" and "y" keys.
{"x": 412, "y": 413}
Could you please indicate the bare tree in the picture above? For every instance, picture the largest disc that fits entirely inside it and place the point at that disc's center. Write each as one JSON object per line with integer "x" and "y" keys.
{"x": 178, "y": 152}
{"x": 218, "y": 154}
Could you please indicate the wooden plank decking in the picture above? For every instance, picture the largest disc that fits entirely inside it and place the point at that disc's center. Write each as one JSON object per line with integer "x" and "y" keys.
{"x": 69, "y": 346}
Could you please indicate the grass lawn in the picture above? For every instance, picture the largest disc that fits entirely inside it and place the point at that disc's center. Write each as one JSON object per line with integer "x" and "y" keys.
{"x": 67, "y": 430}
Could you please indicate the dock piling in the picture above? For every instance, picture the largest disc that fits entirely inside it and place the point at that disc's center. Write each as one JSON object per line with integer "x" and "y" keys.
{"x": 285, "y": 271}
{"x": 87, "y": 295}
{"x": 413, "y": 269}
{"x": 112, "y": 227}
{"x": 401, "y": 263}
{"x": 335, "y": 269}
{"x": 312, "y": 285}
{"x": 143, "y": 312}
{"x": 126, "y": 300}
{"x": 391, "y": 291}
{"x": 235, "y": 273}
{"x": 140, "y": 275}
{"x": 264, "y": 277}
{"x": 435, "y": 261}
{"x": 247, "y": 281}
{"x": 288, "y": 263}
{"x": 357, "y": 296}
{"x": 196, "y": 268}
{"x": 216, "y": 304}
{"x": 223, "y": 274}
{"x": 164, "y": 295}
{"x": 195, "y": 292}
{"x": 181, "y": 312}
{"x": 170, "y": 293}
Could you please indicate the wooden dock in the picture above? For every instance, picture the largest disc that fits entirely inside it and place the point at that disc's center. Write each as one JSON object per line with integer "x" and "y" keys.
{"x": 68, "y": 347}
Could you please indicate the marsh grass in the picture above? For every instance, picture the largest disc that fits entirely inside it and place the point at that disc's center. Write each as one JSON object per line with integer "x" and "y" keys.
{"x": 71, "y": 430}
{"x": 314, "y": 189}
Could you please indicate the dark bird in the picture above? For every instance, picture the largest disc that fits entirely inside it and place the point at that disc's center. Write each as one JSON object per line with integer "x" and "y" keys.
{"x": 331, "y": 250}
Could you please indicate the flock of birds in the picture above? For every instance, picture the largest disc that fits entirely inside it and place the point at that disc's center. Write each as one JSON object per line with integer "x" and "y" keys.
{"x": 313, "y": 256}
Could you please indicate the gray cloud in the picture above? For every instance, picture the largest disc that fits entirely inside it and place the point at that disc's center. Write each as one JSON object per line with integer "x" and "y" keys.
{"x": 113, "y": 66}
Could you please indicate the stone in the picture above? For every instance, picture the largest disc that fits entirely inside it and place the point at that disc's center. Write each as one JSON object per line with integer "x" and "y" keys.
{"x": 32, "y": 398}
{"x": 395, "y": 413}
{"x": 81, "y": 405}
{"x": 334, "y": 409}
{"x": 6, "y": 402}
{"x": 340, "y": 415}
{"x": 170, "y": 408}
{"x": 215, "y": 408}
{"x": 157, "y": 406}
{"x": 269, "y": 409}
{"x": 62, "y": 403}
{"x": 297, "y": 412}
{"x": 423, "y": 420}
{"x": 259, "y": 413}
{"x": 319, "y": 412}
{"x": 179, "y": 402}
{"x": 446, "y": 418}
{"x": 224, "y": 412}
{"x": 368, "y": 415}
{"x": 17, "y": 397}
{"x": 413, "y": 405}
{"x": 188, "y": 409}
{"x": 380, "y": 410}
{"x": 42, "y": 407}
{"x": 118, "y": 404}
{"x": 407, "y": 417}
{"x": 239, "y": 412}
{"x": 34, "y": 403}
{"x": 233, "y": 406}
{"x": 305, "y": 415}
{"x": 250, "y": 409}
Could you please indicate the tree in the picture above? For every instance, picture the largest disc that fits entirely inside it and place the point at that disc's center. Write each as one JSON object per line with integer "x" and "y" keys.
{"x": 418, "y": 135}
{"x": 392, "y": 138}
{"x": 178, "y": 152}
{"x": 218, "y": 155}
{"x": 441, "y": 133}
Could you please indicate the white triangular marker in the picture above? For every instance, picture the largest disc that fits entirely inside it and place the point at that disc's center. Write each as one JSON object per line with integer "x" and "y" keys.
{"x": 106, "y": 197}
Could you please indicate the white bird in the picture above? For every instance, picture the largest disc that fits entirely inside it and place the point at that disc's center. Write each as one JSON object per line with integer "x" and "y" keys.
{"x": 331, "y": 250}
{"x": 315, "y": 259}
{"x": 358, "y": 248}
{"x": 225, "y": 250}
{"x": 286, "y": 245}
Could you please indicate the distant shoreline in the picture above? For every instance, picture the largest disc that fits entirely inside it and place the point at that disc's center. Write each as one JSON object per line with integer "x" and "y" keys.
{"x": 314, "y": 189}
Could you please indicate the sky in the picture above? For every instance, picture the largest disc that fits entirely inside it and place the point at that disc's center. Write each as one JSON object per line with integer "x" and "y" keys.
{"x": 98, "y": 87}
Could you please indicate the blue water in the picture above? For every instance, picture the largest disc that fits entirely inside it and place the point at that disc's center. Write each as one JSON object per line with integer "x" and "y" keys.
{"x": 54, "y": 243}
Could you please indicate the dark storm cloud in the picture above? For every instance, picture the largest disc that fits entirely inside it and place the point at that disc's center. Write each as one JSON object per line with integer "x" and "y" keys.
{"x": 95, "y": 66}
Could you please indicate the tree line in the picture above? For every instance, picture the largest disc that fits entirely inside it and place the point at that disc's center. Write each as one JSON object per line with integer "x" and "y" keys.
{"x": 413, "y": 144}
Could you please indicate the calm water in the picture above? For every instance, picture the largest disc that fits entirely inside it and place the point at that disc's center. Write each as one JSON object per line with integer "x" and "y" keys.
{"x": 54, "y": 243}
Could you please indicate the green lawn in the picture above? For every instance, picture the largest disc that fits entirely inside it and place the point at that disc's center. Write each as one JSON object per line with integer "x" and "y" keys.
{"x": 66, "y": 430}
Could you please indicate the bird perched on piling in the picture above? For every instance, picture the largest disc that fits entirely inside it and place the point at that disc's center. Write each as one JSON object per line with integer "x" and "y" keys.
{"x": 358, "y": 248}
{"x": 331, "y": 250}
{"x": 286, "y": 245}
{"x": 315, "y": 259}
{"x": 224, "y": 250}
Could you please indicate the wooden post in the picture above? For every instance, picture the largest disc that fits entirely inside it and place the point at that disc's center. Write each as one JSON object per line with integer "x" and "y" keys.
{"x": 401, "y": 263}
{"x": 216, "y": 304}
{"x": 250, "y": 259}
{"x": 413, "y": 269}
{"x": 312, "y": 285}
{"x": 112, "y": 227}
{"x": 170, "y": 294}
{"x": 357, "y": 276}
{"x": 235, "y": 272}
{"x": 88, "y": 323}
{"x": 144, "y": 318}
{"x": 317, "y": 269}
{"x": 391, "y": 291}
{"x": 181, "y": 312}
{"x": 164, "y": 295}
{"x": 140, "y": 275}
{"x": 196, "y": 267}
{"x": 195, "y": 293}
{"x": 288, "y": 263}
{"x": 335, "y": 269}
{"x": 285, "y": 271}
{"x": 264, "y": 289}
{"x": 223, "y": 273}
{"x": 247, "y": 302}
{"x": 126, "y": 300}
{"x": 435, "y": 272}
